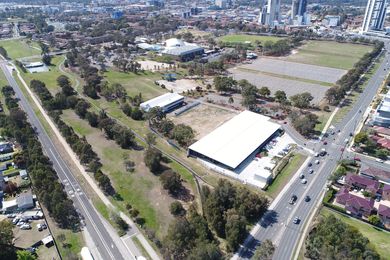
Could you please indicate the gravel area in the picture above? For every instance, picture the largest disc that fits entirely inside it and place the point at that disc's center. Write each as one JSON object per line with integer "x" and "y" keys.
{"x": 297, "y": 70}
{"x": 291, "y": 87}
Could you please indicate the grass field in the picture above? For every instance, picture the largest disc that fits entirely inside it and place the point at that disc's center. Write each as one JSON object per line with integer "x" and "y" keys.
{"x": 330, "y": 54}
{"x": 284, "y": 176}
{"x": 378, "y": 238}
{"x": 137, "y": 83}
{"x": 242, "y": 38}
{"x": 50, "y": 77}
{"x": 20, "y": 48}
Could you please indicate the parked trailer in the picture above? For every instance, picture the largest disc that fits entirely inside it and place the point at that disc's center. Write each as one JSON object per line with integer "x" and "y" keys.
{"x": 86, "y": 254}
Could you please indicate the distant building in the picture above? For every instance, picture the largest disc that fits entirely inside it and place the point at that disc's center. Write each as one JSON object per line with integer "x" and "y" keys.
{"x": 181, "y": 50}
{"x": 117, "y": 15}
{"x": 331, "y": 20}
{"x": 271, "y": 16}
{"x": 374, "y": 17}
{"x": 384, "y": 215}
{"x": 166, "y": 102}
{"x": 382, "y": 114}
{"x": 223, "y": 4}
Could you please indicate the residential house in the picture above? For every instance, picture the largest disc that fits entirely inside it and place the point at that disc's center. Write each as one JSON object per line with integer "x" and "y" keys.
{"x": 384, "y": 215}
{"x": 386, "y": 192}
{"x": 6, "y": 148}
{"x": 379, "y": 174}
{"x": 355, "y": 205}
{"x": 25, "y": 201}
{"x": 354, "y": 181}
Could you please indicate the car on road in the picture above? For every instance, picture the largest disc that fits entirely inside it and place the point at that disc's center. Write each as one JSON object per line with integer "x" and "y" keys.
{"x": 293, "y": 199}
{"x": 301, "y": 176}
{"x": 310, "y": 164}
{"x": 296, "y": 220}
{"x": 357, "y": 159}
{"x": 311, "y": 171}
{"x": 325, "y": 143}
{"x": 317, "y": 161}
{"x": 304, "y": 181}
{"x": 307, "y": 198}
{"x": 342, "y": 149}
{"x": 351, "y": 134}
{"x": 379, "y": 160}
{"x": 316, "y": 154}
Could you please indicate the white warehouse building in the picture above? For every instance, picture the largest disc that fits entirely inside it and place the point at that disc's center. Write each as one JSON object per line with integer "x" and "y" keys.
{"x": 166, "y": 102}
{"x": 232, "y": 143}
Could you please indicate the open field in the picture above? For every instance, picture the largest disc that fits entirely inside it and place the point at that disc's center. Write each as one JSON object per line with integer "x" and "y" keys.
{"x": 20, "y": 48}
{"x": 378, "y": 238}
{"x": 242, "y": 38}
{"x": 140, "y": 188}
{"x": 50, "y": 77}
{"x": 285, "y": 175}
{"x": 194, "y": 32}
{"x": 181, "y": 85}
{"x": 295, "y": 70}
{"x": 203, "y": 118}
{"x": 137, "y": 83}
{"x": 291, "y": 87}
{"x": 329, "y": 54}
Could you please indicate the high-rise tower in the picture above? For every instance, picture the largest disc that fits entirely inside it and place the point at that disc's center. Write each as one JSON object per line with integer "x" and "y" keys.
{"x": 270, "y": 13}
{"x": 374, "y": 17}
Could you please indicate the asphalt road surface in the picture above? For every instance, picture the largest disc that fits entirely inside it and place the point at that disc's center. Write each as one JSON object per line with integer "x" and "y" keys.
{"x": 103, "y": 240}
{"x": 277, "y": 225}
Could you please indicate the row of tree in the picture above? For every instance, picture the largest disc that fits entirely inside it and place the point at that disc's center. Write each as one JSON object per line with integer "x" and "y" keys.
{"x": 351, "y": 79}
{"x": 44, "y": 178}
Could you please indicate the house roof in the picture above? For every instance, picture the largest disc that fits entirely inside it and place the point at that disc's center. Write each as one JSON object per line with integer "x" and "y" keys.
{"x": 384, "y": 211}
{"x": 354, "y": 179}
{"x": 375, "y": 172}
{"x": 355, "y": 203}
{"x": 25, "y": 200}
{"x": 386, "y": 187}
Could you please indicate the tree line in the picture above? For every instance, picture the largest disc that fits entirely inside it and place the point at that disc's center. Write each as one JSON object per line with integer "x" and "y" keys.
{"x": 44, "y": 178}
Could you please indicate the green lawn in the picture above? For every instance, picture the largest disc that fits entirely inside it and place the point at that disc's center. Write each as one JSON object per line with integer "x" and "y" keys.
{"x": 20, "y": 48}
{"x": 330, "y": 54}
{"x": 50, "y": 77}
{"x": 284, "y": 176}
{"x": 242, "y": 38}
{"x": 137, "y": 83}
{"x": 378, "y": 238}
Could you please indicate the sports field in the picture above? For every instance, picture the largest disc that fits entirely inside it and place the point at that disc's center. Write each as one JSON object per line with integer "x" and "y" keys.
{"x": 20, "y": 48}
{"x": 329, "y": 54}
{"x": 242, "y": 38}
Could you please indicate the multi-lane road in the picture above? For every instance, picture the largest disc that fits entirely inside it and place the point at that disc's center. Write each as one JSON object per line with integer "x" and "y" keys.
{"x": 277, "y": 225}
{"x": 108, "y": 244}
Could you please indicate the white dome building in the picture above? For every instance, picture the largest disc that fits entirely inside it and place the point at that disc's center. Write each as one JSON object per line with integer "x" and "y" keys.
{"x": 174, "y": 42}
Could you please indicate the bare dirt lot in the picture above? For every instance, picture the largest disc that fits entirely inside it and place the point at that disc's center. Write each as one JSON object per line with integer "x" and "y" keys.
{"x": 291, "y": 87}
{"x": 181, "y": 85}
{"x": 295, "y": 70}
{"x": 153, "y": 65}
{"x": 203, "y": 118}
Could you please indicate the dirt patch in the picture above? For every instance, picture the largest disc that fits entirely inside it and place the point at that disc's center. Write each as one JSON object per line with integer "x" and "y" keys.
{"x": 203, "y": 118}
{"x": 181, "y": 85}
{"x": 154, "y": 65}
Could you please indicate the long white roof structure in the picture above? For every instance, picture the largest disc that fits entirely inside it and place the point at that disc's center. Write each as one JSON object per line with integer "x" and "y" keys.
{"x": 161, "y": 101}
{"x": 232, "y": 142}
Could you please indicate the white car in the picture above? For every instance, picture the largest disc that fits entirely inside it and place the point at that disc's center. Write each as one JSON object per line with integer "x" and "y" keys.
{"x": 20, "y": 223}
{"x": 304, "y": 181}
{"x": 379, "y": 160}
{"x": 317, "y": 161}
{"x": 25, "y": 226}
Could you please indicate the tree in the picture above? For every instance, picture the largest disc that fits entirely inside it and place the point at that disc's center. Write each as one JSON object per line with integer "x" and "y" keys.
{"x": 264, "y": 251}
{"x": 301, "y": 100}
{"x": 3, "y": 52}
{"x": 375, "y": 220}
{"x": 180, "y": 238}
{"x": 235, "y": 230}
{"x": 264, "y": 92}
{"x": 171, "y": 181}
{"x": 127, "y": 110}
{"x": 183, "y": 134}
{"x": 150, "y": 139}
{"x": 248, "y": 92}
{"x": 205, "y": 251}
{"x": 10, "y": 188}
{"x": 305, "y": 124}
{"x": 280, "y": 96}
{"x": 64, "y": 83}
{"x": 7, "y": 250}
{"x": 382, "y": 154}
{"x": 361, "y": 138}
{"x": 176, "y": 209}
{"x": 25, "y": 255}
{"x": 137, "y": 114}
{"x": 334, "y": 95}
{"x": 152, "y": 159}
{"x": 81, "y": 108}
{"x": 46, "y": 59}
{"x": 92, "y": 119}
{"x": 224, "y": 84}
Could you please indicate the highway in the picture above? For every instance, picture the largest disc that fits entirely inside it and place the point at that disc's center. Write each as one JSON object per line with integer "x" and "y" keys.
{"x": 277, "y": 224}
{"x": 107, "y": 243}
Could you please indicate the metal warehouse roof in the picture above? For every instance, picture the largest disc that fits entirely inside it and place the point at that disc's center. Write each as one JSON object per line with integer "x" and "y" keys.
{"x": 231, "y": 143}
{"x": 182, "y": 50}
{"x": 161, "y": 101}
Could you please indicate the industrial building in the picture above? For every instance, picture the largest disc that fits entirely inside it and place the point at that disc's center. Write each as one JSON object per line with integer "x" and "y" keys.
{"x": 231, "y": 144}
{"x": 166, "y": 102}
{"x": 181, "y": 50}
{"x": 374, "y": 17}
{"x": 382, "y": 113}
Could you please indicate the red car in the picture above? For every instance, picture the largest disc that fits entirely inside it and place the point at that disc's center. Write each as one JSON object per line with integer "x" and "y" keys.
{"x": 357, "y": 159}
{"x": 325, "y": 143}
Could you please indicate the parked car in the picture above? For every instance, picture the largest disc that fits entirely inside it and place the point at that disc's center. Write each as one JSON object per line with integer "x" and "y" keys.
{"x": 379, "y": 160}
{"x": 15, "y": 221}
{"x": 25, "y": 226}
{"x": 357, "y": 159}
{"x": 296, "y": 220}
{"x": 293, "y": 199}
{"x": 20, "y": 223}
{"x": 316, "y": 154}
